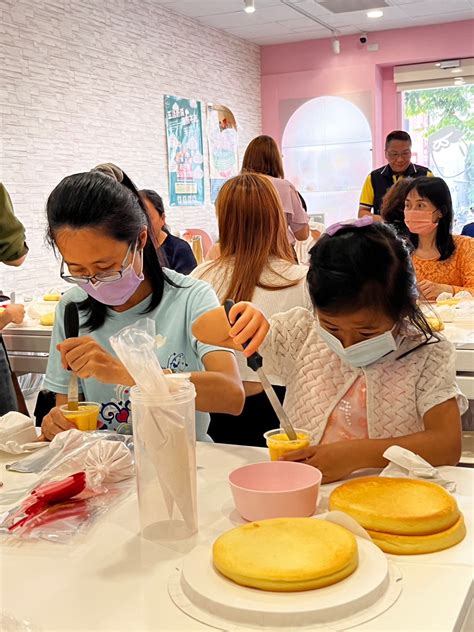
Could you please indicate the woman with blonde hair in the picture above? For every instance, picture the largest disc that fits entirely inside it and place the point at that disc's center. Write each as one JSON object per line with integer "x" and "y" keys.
{"x": 256, "y": 264}
{"x": 263, "y": 156}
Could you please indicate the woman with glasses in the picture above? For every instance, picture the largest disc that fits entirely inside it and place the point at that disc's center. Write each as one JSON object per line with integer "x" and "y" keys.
{"x": 99, "y": 224}
{"x": 379, "y": 181}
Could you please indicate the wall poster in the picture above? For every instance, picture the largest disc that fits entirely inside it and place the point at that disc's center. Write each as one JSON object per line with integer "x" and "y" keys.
{"x": 183, "y": 124}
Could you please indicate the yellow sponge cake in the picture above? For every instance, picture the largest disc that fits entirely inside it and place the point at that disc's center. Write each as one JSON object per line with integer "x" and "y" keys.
{"x": 286, "y": 554}
{"x": 419, "y": 544}
{"x": 399, "y": 506}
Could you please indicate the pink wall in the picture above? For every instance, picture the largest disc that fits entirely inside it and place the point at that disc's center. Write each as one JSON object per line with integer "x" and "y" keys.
{"x": 309, "y": 69}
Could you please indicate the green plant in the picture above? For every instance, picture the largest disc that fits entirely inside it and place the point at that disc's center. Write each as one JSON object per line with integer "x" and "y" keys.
{"x": 445, "y": 106}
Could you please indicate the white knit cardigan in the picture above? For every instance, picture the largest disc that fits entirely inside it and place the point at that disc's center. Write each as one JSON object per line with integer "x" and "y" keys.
{"x": 399, "y": 391}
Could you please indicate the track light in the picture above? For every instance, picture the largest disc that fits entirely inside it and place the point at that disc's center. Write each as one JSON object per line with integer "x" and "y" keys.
{"x": 336, "y": 46}
{"x": 249, "y": 6}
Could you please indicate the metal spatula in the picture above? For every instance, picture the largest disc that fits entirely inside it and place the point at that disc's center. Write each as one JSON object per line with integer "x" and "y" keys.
{"x": 71, "y": 329}
{"x": 255, "y": 362}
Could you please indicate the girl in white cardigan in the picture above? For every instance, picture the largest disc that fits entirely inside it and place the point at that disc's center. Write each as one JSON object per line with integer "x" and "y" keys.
{"x": 363, "y": 372}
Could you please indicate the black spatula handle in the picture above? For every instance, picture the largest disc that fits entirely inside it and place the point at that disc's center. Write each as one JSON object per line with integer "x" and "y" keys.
{"x": 255, "y": 361}
{"x": 71, "y": 320}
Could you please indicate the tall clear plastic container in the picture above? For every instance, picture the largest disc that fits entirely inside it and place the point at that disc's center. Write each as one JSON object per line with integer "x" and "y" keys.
{"x": 165, "y": 452}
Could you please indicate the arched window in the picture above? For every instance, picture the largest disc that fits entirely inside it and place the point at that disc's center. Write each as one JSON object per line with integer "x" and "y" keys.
{"x": 327, "y": 154}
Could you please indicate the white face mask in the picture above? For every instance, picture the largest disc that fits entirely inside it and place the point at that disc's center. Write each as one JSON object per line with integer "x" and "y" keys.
{"x": 362, "y": 353}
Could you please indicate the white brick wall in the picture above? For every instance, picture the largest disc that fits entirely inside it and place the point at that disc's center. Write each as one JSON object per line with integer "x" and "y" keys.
{"x": 82, "y": 82}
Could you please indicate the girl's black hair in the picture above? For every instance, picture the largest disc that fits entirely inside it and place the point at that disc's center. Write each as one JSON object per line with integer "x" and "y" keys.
{"x": 155, "y": 199}
{"x": 97, "y": 199}
{"x": 365, "y": 267}
{"x": 157, "y": 202}
{"x": 437, "y": 192}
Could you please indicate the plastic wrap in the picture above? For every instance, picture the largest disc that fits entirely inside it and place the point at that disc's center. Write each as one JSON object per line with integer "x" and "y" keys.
{"x": 165, "y": 439}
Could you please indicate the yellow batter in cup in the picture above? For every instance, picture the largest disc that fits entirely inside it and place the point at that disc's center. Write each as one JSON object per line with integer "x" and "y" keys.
{"x": 279, "y": 444}
{"x": 85, "y": 418}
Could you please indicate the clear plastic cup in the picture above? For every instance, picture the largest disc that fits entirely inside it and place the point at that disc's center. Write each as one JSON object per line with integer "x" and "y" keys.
{"x": 164, "y": 431}
{"x": 278, "y": 443}
{"x": 85, "y": 417}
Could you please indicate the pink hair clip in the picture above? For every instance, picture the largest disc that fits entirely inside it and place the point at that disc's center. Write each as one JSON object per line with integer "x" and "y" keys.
{"x": 367, "y": 220}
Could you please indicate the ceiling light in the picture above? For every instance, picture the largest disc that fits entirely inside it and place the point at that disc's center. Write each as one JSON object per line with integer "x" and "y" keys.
{"x": 438, "y": 64}
{"x": 249, "y": 6}
{"x": 456, "y": 70}
{"x": 376, "y": 13}
{"x": 336, "y": 46}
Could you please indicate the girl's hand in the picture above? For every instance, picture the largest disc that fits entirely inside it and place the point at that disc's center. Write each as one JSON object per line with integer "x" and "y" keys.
{"x": 88, "y": 359}
{"x": 431, "y": 290}
{"x": 248, "y": 325}
{"x": 334, "y": 460}
{"x": 53, "y": 423}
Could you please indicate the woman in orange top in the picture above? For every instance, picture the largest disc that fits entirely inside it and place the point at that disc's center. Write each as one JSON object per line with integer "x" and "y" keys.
{"x": 443, "y": 262}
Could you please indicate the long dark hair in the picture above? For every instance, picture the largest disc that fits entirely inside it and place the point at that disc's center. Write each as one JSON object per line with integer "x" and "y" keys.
{"x": 156, "y": 201}
{"x": 365, "y": 267}
{"x": 437, "y": 192}
{"x": 106, "y": 199}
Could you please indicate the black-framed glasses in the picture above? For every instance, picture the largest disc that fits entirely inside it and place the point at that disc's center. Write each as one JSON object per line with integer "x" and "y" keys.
{"x": 393, "y": 155}
{"x": 107, "y": 276}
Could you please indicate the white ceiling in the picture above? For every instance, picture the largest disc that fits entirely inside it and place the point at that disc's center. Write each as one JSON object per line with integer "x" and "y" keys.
{"x": 273, "y": 22}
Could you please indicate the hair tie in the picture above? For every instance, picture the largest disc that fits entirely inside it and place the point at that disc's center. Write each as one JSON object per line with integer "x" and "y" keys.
{"x": 367, "y": 220}
{"x": 111, "y": 170}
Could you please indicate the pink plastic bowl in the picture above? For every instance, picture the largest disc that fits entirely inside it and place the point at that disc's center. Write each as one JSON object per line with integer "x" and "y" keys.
{"x": 275, "y": 489}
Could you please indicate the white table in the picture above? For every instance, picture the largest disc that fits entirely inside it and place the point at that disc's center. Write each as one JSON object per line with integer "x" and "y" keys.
{"x": 461, "y": 334}
{"x": 114, "y": 580}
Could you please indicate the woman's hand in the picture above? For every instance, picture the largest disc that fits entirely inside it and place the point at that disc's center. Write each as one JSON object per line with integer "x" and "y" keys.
{"x": 248, "y": 325}
{"x": 15, "y": 313}
{"x": 53, "y": 423}
{"x": 334, "y": 460}
{"x": 431, "y": 290}
{"x": 88, "y": 359}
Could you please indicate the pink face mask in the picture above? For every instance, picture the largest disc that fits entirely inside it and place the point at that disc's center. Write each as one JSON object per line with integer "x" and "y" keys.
{"x": 420, "y": 222}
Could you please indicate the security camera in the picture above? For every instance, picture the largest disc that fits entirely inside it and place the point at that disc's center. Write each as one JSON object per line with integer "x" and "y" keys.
{"x": 363, "y": 38}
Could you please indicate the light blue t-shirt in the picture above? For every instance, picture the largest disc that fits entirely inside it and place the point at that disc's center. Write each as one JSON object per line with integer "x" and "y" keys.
{"x": 181, "y": 352}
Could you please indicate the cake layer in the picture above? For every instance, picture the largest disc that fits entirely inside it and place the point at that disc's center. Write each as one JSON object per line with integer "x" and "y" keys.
{"x": 286, "y": 554}
{"x": 400, "y": 506}
{"x": 419, "y": 544}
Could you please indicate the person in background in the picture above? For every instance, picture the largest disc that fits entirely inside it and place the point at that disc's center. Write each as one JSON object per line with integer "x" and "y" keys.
{"x": 10, "y": 398}
{"x": 365, "y": 371}
{"x": 263, "y": 156}
{"x": 13, "y": 248}
{"x": 13, "y": 252}
{"x": 468, "y": 230}
{"x": 178, "y": 253}
{"x": 443, "y": 262}
{"x": 302, "y": 248}
{"x": 393, "y": 206}
{"x": 256, "y": 263}
{"x": 377, "y": 183}
{"x": 99, "y": 224}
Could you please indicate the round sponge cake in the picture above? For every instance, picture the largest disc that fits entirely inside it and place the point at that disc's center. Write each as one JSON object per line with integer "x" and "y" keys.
{"x": 399, "y": 506}
{"x": 286, "y": 554}
{"x": 419, "y": 544}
